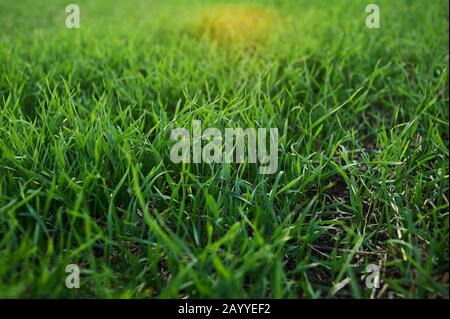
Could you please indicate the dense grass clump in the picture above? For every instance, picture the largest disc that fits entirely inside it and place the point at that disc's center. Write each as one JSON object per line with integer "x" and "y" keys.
{"x": 86, "y": 177}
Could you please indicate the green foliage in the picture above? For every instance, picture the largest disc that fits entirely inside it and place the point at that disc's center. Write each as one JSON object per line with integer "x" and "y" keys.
{"x": 86, "y": 177}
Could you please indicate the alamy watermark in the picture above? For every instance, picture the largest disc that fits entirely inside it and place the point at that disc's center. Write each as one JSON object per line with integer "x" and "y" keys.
{"x": 73, "y": 17}
{"x": 262, "y": 146}
{"x": 373, "y": 19}
{"x": 73, "y": 278}
{"x": 372, "y": 276}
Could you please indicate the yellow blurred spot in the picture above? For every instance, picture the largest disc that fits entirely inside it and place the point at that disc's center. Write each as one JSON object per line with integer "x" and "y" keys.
{"x": 245, "y": 24}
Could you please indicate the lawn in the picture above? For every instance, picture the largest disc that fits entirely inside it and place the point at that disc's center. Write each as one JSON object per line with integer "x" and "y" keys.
{"x": 86, "y": 176}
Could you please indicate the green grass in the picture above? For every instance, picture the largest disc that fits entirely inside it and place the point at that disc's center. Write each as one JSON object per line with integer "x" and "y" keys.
{"x": 86, "y": 177}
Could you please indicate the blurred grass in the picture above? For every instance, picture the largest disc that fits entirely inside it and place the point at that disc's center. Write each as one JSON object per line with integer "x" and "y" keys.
{"x": 86, "y": 178}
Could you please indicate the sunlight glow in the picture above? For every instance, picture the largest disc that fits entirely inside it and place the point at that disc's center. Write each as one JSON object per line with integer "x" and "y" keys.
{"x": 238, "y": 23}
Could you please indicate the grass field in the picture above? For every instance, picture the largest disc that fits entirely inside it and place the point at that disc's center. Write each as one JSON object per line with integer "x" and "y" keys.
{"x": 86, "y": 177}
